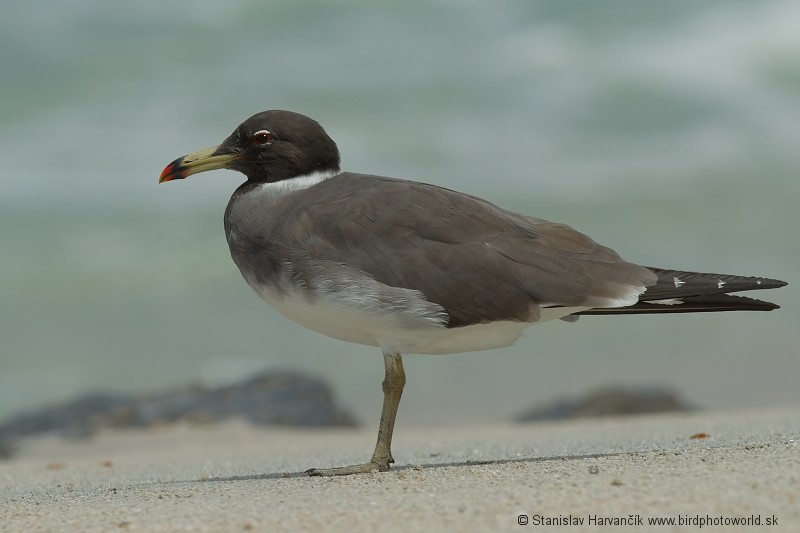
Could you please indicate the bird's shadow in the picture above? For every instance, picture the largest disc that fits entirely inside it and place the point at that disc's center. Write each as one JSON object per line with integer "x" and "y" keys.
{"x": 425, "y": 466}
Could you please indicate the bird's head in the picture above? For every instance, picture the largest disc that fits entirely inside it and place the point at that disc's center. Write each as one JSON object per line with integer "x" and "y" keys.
{"x": 267, "y": 147}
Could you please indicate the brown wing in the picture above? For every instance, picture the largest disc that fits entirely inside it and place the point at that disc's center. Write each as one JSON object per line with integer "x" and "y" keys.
{"x": 478, "y": 261}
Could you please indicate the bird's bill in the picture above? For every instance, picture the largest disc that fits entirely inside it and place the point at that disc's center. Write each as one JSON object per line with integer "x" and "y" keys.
{"x": 200, "y": 161}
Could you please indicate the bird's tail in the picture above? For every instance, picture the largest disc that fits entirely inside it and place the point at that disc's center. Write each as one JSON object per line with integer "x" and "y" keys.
{"x": 677, "y": 291}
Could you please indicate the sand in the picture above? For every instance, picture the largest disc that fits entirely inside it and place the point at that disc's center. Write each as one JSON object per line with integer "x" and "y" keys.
{"x": 234, "y": 477}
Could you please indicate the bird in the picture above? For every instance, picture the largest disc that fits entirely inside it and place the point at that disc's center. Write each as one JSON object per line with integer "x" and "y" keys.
{"x": 410, "y": 267}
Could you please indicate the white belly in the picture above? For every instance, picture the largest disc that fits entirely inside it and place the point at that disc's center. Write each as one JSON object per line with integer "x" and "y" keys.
{"x": 341, "y": 321}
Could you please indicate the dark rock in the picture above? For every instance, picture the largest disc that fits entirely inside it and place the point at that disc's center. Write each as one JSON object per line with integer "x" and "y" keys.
{"x": 608, "y": 402}
{"x": 267, "y": 399}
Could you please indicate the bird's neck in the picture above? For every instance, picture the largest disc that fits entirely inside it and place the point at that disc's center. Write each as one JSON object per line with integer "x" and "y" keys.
{"x": 267, "y": 194}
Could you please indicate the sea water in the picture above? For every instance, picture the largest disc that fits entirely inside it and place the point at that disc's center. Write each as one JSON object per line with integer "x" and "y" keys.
{"x": 668, "y": 131}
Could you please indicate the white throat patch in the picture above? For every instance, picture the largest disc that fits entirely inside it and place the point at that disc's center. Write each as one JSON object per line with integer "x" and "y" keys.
{"x": 298, "y": 183}
{"x": 268, "y": 194}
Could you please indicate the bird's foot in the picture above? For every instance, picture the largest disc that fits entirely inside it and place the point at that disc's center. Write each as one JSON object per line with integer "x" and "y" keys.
{"x": 366, "y": 468}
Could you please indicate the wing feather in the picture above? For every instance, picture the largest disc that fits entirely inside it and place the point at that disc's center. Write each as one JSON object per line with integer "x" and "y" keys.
{"x": 452, "y": 247}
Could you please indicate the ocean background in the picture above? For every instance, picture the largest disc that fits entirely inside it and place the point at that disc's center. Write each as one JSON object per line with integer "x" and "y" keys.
{"x": 669, "y": 131}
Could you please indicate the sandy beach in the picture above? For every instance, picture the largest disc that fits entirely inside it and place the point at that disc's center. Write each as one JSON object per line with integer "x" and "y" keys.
{"x": 600, "y": 473}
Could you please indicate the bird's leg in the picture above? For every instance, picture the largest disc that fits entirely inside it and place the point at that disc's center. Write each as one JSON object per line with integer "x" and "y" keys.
{"x": 393, "y": 383}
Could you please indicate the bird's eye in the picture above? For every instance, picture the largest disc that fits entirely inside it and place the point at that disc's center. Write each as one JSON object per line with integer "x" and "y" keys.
{"x": 262, "y": 138}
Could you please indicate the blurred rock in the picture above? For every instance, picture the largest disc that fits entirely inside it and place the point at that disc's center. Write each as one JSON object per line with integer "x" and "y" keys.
{"x": 268, "y": 399}
{"x": 608, "y": 401}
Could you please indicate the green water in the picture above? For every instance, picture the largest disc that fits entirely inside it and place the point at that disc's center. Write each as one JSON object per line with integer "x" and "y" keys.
{"x": 669, "y": 133}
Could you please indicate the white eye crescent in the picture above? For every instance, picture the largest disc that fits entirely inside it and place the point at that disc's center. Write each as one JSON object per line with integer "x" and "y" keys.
{"x": 261, "y": 138}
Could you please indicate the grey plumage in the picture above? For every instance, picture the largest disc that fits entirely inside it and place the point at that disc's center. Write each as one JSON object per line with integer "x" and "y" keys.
{"x": 447, "y": 245}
